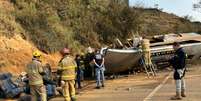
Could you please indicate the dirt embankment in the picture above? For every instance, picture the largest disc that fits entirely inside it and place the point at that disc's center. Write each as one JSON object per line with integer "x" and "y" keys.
{"x": 16, "y": 53}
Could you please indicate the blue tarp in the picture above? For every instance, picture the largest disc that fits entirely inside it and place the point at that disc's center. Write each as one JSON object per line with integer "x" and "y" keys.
{"x": 4, "y": 76}
{"x": 50, "y": 90}
{"x": 7, "y": 88}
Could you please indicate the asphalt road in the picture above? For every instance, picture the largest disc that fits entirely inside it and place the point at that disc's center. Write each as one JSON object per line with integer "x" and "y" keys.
{"x": 140, "y": 88}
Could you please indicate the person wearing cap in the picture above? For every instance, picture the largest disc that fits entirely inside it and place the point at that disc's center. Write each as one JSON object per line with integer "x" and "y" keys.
{"x": 178, "y": 63}
{"x": 66, "y": 68}
{"x": 34, "y": 72}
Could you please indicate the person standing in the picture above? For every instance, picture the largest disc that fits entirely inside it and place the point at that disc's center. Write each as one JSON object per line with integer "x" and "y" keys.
{"x": 78, "y": 62}
{"x": 66, "y": 69}
{"x": 99, "y": 68}
{"x": 82, "y": 66}
{"x": 35, "y": 71}
{"x": 178, "y": 63}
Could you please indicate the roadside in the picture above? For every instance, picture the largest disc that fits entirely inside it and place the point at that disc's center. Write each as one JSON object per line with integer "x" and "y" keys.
{"x": 132, "y": 87}
{"x": 138, "y": 87}
{"x": 193, "y": 85}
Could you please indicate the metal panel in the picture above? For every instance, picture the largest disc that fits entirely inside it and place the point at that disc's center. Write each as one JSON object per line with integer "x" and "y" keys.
{"x": 121, "y": 60}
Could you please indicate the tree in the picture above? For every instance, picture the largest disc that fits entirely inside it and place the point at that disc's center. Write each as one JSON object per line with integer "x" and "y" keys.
{"x": 197, "y": 6}
{"x": 188, "y": 17}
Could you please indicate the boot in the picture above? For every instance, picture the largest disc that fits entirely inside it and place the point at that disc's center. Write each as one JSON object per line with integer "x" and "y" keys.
{"x": 98, "y": 87}
{"x": 183, "y": 93}
{"x": 177, "y": 97}
{"x": 73, "y": 99}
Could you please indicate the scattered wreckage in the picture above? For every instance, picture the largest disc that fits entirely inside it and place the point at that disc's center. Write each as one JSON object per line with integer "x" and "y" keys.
{"x": 13, "y": 88}
{"x": 9, "y": 89}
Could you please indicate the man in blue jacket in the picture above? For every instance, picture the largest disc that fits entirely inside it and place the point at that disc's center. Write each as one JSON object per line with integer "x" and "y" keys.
{"x": 178, "y": 63}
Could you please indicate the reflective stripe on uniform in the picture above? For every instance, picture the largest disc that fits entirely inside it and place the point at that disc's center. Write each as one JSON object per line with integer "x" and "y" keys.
{"x": 68, "y": 67}
{"x": 82, "y": 63}
{"x": 36, "y": 82}
{"x": 68, "y": 76}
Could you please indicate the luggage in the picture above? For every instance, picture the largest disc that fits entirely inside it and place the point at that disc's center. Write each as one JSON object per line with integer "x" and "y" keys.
{"x": 14, "y": 92}
{"x": 4, "y": 76}
{"x": 9, "y": 89}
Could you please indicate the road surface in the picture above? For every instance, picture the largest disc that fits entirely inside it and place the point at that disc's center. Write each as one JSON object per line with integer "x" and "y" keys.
{"x": 140, "y": 88}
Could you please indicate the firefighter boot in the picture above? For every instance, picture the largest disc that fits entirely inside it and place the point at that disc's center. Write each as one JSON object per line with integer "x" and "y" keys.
{"x": 73, "y": 99}
{"x": 183, "y": 93}
{"x": 177, "y": 97}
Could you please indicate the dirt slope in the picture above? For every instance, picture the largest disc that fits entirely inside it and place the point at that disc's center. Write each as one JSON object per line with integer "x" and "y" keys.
{"x": 15, "y": 50}
{"x": 16, "y": 53}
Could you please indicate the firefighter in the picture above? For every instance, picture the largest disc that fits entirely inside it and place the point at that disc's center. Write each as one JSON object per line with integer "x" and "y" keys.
{"x": 66, "y": 69}
{"x": 178, "y": 63}
{"x": 99, "y": 68}
{"x": 35, "y": 71}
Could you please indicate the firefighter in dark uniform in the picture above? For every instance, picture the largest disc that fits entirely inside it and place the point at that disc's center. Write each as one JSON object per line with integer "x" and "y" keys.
{"x": 178, "y": 63}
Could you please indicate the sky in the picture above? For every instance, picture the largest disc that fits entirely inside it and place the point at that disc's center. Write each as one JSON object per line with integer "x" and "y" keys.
{"x": 178, "y": 7}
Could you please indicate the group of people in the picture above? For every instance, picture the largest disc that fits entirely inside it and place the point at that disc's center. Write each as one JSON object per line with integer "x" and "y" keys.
{"x": 69, "y": 71}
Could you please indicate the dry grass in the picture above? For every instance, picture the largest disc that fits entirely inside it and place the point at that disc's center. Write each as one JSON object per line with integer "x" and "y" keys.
{"x": 26, "y": 24}
{"x": 16, "y": 53}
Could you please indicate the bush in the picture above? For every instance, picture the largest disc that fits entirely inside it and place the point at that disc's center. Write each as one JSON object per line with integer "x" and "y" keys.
{"x": 54, "y": 24}
{"x": 43, "y": 25}
{"x": 8, "y": 26}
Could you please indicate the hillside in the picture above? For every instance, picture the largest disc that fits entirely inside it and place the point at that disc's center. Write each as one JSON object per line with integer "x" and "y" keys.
{"x": 15, "y": 49}
{"x": 49, "y": 25}
{"x": 158, "y": 22}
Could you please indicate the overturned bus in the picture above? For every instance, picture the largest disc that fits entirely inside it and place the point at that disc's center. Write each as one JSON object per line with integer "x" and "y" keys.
{"x": 119, "y": 60}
